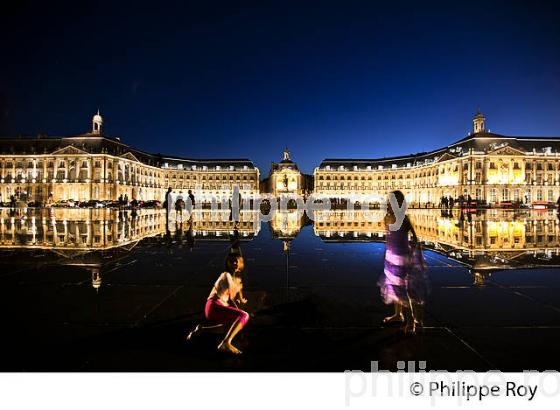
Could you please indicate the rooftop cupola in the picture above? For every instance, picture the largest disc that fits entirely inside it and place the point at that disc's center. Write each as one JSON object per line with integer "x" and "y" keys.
{"x": 97, "y": 123}
{"x": 478, "y": 122}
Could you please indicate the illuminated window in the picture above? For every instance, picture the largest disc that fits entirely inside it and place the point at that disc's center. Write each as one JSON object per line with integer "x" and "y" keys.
{"x": 493, "y": 195}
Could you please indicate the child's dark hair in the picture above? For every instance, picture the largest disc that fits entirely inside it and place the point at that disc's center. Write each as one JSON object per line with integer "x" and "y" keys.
{"x": 399, "y": 197}
{"x": 230, "y": 258}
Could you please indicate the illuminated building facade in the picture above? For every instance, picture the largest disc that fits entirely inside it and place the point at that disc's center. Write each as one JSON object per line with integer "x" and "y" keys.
{"x": 485, "y": 166}
{"x": 285, "y": 177}
{"x": 95, "y": 166}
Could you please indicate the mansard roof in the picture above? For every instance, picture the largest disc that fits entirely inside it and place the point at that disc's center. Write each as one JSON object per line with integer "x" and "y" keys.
{"x": 173, "y": 161}
{"x": 102, "y": 144}
{"x": 482, "y": 142}
{"x": 284, "y": 164}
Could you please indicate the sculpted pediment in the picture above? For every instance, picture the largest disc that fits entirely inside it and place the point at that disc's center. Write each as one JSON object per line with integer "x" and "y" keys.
{"x": 70, "y": 150}
{"x": 130, "y": 156}
{"x": 506, "y": 150}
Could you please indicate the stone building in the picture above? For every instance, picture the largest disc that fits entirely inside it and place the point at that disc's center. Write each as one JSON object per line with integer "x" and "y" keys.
{"x": 490, "y": 167}
{"x": 96, "y": 166}
{"x": 285, "y": 177}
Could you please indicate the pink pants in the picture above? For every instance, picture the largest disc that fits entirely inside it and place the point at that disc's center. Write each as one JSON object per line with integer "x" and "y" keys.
{"x": 216, "y": 311}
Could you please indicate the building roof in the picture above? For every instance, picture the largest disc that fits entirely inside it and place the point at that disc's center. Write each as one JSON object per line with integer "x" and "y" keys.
{"x": 480, "y": 142}
{"x": 103, "y": 144}
{"x": 284, "y": 164}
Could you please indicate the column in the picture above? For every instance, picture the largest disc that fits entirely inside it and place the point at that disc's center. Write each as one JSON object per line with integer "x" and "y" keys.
{"x": 116, "y": 180}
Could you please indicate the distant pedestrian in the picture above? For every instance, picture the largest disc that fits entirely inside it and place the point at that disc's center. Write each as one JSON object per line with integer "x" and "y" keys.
{"x": 167, "y": 199}
{"x": 190, "y": 235}
{"x": 191, "y": 198}
{"x": 179, "y": 205}
{"x": 167, "y": 206}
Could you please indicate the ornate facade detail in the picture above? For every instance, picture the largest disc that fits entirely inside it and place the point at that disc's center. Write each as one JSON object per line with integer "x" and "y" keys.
{"x": 95, "y": 166}
{"x": 488, "y": 167}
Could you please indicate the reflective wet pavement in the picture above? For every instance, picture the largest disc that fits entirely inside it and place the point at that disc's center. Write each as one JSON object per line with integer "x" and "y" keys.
{"x": 315, "y": 302}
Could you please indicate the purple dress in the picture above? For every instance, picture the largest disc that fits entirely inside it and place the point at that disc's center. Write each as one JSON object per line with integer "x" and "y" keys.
{"x": 404, "y": 269}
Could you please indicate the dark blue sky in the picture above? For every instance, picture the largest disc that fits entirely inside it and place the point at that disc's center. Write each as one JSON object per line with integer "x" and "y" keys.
{"x": 328, "y": 79}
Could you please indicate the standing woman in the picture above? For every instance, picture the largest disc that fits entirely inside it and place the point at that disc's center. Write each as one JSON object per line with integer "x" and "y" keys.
{"x": 227, "y": 291}
{"x": 402, "y": 281}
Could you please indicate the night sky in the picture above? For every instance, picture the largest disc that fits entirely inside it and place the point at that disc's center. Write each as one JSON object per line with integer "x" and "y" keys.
{"x": 341, "y": 79}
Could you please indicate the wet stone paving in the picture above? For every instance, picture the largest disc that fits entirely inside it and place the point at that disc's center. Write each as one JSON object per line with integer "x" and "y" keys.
{"x": 313, "y": 299}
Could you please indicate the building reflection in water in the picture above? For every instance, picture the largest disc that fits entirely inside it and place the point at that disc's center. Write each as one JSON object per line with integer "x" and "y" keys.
{"x": 285, "y": 226}
{"x": 484, "y": 241}
{"x": 68, "y": 230}
{"x": 82, "y": 237}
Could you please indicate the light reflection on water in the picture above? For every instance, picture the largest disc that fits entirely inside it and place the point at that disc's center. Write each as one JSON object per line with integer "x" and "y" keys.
{"x": 484, "y": 240}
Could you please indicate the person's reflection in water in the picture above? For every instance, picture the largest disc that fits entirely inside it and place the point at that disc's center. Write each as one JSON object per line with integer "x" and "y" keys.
{"x": 133, "y": 218}
{"x": 222, "y": 301}
{"x": 235, "y": 248}
{"x": 403, "y": 282}
{"x": 166, "y": 206}
{"x": 190, "y": 235}
{"x": 461, "y": 221}
{"x": 179, "y": 233}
